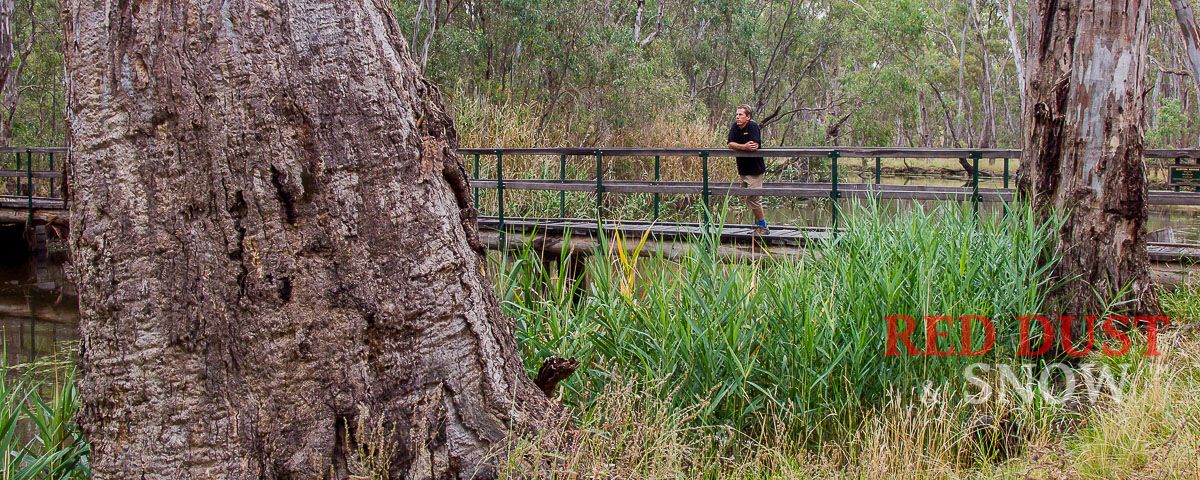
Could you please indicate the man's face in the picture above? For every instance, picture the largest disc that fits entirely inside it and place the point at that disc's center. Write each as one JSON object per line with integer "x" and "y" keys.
{"x": 740, "y": 118}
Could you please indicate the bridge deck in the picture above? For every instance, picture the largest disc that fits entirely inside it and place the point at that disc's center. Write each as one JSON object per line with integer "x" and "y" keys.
{"x": 800, "y": 190}
{"x": 731, "y": 233}
{"x": 18, "y": 202}
{"x": 737, "y": 233}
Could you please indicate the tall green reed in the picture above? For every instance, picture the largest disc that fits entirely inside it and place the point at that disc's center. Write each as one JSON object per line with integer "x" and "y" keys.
{"x": 38, "y": 437}
{"x": 801, "y": 337}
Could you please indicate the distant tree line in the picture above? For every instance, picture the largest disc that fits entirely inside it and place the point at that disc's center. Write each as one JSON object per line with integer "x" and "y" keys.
{"x": 575, "y": 72}
{"x": 842, "y": 72}
{"x": 31, "y": 46}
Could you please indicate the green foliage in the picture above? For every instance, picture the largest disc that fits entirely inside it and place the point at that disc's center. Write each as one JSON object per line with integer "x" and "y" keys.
{"x": 1182, "y": 304}
{"x": 570, "y": 73}
{"x": 1171, "y": 125}
{"x": 38, "y": 437}
{"x": 38, "y": 116}
{"x": 802, "y": 338}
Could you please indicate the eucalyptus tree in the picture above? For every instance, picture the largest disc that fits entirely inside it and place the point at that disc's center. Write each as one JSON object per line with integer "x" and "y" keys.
{"x": 1190, "y": 33}
{"x": 275, "y": 250}
{"x": 1086, "y": 66}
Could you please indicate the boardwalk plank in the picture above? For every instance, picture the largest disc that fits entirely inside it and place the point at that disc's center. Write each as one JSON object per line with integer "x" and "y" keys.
{"x": 784, "y": 235}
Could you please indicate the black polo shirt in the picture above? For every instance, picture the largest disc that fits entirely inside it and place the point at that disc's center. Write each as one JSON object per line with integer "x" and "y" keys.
{"x": 751, "y": 132}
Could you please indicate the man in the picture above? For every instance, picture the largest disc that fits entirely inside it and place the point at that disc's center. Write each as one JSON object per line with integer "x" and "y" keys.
{"x": 745, "y": 135}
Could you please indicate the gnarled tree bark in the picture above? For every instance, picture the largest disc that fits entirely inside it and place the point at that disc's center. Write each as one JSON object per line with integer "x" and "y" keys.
{"x": 1083, "y": 147}
{"x": 272, "y": 233}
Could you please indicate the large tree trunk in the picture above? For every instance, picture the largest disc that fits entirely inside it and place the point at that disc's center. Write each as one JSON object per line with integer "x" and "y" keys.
{"x": 1191, "y": 38}
{"x": 274, "y": 245}
{"x": 1083, "y": 146}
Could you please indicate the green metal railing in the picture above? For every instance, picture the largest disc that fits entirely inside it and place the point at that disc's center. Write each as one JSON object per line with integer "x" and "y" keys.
{"x": 657, "y": 178}
{"x": 835, "y": 193}
{"x": 975, "y": 198}
{"x": 562, "y": 194}
{"x": 973, "y": 192}
{"x": 27, "y": 184}
{"x": 599, "y": 184}
{"x": 30, "y": 177}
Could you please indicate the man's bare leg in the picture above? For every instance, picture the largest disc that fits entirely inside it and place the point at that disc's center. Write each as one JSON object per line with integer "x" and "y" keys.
{"x": 755, "y": 203}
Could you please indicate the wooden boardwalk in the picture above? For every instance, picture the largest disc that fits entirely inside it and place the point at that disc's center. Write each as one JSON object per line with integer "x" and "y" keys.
{"x": 45, "y": 210}
{"x": 802, "y": 190}
{"x": 633, "y": 230}
{"x": 785, "y": 236}
{"x": 53, "y": 210}
{"x": 798, "y": 151}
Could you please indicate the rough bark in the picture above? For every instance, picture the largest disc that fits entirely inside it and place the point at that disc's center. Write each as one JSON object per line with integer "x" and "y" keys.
{"x": 1083, "y": 147}
{"x": 272, "y": 233}
{"x": 1191, "y": 38}
{"x": 553, "y": 371}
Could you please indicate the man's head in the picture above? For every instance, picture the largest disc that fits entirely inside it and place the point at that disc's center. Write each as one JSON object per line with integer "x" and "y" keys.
{"x": 743, "y": 115}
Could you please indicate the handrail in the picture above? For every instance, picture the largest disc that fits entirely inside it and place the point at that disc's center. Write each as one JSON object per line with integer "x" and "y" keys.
{"x": 964, "y": 155}
{"x": 704, "y": 154}
{"x": 24, "y": 173}
{"x": 777, "y": 152}
{"x": 4, "y": 150}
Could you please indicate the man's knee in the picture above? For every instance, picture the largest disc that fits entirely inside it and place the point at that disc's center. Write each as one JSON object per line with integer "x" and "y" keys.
{"x": 754, "y": 201}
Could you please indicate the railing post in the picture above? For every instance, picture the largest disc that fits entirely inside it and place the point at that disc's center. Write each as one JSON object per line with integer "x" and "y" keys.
{"x": 833, "y": 192}
{"x": 704, "y": 193}
{"x": 599, "y": 185}
{"x": 17, "y": 155}
{"x": 476, "y": 189}
{"x": 975, "y": 198}
{"x": 657, "y": 177}
{"x": 1178, "y": 161}
{"x": 562, "y": 194}
{"x": 51, "y": 194}
{"x": 1006, "y": 173}
{"x": 500, "y": 197}
{"x": 29, "y": 185}
{"x": 878, "y": 170}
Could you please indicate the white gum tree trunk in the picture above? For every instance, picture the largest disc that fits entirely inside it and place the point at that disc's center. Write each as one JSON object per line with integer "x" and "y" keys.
{"x": 1083, "y": 146}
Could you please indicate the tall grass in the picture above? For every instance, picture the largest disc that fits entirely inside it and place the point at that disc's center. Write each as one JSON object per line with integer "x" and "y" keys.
{"x": 38, "y": 437}
{"x": 801, "y": 337}
{"x": 635, "y": 432}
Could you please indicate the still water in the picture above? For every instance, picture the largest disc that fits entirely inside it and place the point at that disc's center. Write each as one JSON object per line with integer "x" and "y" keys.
{"x": 38, "y": 308}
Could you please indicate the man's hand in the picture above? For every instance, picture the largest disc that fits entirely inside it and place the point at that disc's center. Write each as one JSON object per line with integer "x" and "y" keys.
{"x": 752, "y": 146}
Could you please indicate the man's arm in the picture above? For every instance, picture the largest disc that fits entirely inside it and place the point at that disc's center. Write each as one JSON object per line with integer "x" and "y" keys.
{"x": 745, "y": 147}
